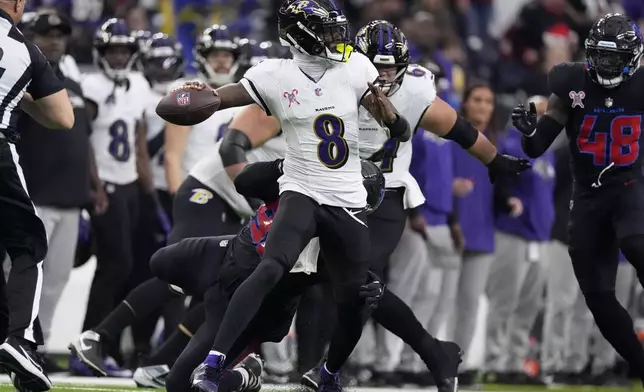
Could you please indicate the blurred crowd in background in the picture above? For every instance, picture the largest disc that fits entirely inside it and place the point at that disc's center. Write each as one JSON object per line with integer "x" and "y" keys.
{"x": 506, "y": 48}
{"x": 510, "y": 43}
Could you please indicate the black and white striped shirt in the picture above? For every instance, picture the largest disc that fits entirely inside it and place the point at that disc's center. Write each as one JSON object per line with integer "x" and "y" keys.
{"x": 22, "y": 68}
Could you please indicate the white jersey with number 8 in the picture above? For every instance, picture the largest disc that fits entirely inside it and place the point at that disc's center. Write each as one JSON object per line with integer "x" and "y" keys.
{"x": 320, "y": 123}
{"x": 114, "y": 128}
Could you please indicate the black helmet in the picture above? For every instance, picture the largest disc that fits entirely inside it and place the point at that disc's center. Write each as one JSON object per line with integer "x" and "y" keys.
{"x": 613, "y": 49}
{"x": 386, "y": 46}
{"x": 162, "y": 61}
{"x": 216, "y": 37}
{"x": 374, "y": 183}
{"x": 114, "y": 32}
{"x": 315, "y": 27}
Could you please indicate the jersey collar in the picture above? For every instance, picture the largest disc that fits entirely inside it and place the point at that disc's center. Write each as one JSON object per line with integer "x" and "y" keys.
{"x": 5, "y": 15}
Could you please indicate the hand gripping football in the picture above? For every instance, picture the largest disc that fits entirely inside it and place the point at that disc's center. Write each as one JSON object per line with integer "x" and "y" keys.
{"x": 188, "y": 106}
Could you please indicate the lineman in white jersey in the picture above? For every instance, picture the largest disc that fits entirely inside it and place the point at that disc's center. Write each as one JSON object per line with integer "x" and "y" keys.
{"x": 116, "y": 98}
{"x": 315, "y": 97}
{"x": 218, "y": 63}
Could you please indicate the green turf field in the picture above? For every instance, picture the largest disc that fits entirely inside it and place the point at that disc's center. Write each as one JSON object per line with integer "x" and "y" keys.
{"x": 80, "y": 387}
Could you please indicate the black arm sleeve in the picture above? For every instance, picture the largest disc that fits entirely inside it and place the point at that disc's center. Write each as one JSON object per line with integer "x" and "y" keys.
{"x": 399, "y": 129}
{"x": 259, "y": 180}
{"x": 502, "y": 192}
{"x": 547, "y": 131}
{"x": 44, "y": 81}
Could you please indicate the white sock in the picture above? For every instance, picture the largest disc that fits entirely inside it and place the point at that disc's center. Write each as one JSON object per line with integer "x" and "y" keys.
{"x": 217, "y": 353}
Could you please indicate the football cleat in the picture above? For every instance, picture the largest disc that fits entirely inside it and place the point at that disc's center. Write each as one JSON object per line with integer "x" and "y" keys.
{"x": 87, "y": 347}
{"x": 311, "y": 378}
{"x": 20, "y": 360}
{"x": 254, "y": 365}
{"x": 151, "y": 376}
{"x": 206, "y": 377}
{"x": 449, "y": 383}
{"x": 329, "y": 382}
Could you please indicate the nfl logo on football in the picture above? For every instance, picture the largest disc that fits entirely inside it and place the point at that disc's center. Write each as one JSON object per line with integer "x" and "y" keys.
{"x": 183, "y": 98}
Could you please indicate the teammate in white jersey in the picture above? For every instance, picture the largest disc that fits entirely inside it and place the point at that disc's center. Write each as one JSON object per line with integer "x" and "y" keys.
{"x": 162, "y": 63}
{"x": 218, "y": 63}
{"x": 116, "y": 98}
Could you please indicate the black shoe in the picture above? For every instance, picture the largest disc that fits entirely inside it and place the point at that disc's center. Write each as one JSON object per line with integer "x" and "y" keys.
{"x": 20, "y": 360}
{"x": 50, "y": 366}
{"x": 254, "y": 366}
{"x": 453, "y": 358}
{"x": 151, "y": 376}
{"x": 87, "y": 347}
{"x": 311, "y": 379}
{"x": 329, "y": 382}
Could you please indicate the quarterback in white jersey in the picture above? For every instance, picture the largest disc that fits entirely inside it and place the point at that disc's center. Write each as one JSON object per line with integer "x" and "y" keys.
{"x": 116, "y": 98}
{"x": 218, "y": 63}
{"x": 315, "y": 97}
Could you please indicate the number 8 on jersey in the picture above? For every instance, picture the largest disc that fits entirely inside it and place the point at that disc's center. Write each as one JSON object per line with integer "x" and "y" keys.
{"x": 333, "y": 150}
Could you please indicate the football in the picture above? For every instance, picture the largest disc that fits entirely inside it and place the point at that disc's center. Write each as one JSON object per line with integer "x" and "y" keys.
{"x": 188, "y": 106}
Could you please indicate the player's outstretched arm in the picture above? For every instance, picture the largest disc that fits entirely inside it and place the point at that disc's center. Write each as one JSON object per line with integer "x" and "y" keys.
{"x": 249, "y": 129}
{"x": 442, "y": 120}
{"x": 232, "y": 95}
{"x": 377, "y": 103}
{"x": 539, "y": 133}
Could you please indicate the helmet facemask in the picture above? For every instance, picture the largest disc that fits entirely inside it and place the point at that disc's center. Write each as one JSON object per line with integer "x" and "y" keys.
{"x": 612, "y": 66}
{"x": 117, "y": 74}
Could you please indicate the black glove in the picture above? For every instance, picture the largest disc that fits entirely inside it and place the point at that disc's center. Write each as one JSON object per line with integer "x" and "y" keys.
{"x": 506, "y": 166}
{"x": 372, "y": 291}
{"x": 525, "y": 120}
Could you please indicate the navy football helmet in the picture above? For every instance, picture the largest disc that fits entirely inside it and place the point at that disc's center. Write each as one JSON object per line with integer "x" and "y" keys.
{"x": 614, "y": 48}
{"x": 115, "y": 34}
{"x": 386, "y": 46}
{"x": 162, "y": 61}
{"x": 216, "y": 38}
{"x": 315, "y": 27}
{"x": 374, "y": 182}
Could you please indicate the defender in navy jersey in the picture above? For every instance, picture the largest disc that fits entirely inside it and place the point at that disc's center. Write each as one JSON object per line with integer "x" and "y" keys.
{"x": 26, "y": 79}
{"x": 601, "y": 105}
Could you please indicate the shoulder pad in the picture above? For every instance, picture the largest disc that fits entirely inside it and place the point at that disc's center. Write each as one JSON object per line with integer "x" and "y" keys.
{"x": 419, "y": 71}
{"x": 566, "y": 77}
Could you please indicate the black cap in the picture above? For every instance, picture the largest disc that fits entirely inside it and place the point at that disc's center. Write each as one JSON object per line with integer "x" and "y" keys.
{"x": 45, "y": 21}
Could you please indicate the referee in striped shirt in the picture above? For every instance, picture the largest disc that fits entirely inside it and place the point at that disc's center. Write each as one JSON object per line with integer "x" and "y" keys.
{"x": 27, "y": 82}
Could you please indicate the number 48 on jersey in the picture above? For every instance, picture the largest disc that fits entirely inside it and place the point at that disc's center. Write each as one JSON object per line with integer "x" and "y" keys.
{"x": 618, "y": 145}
